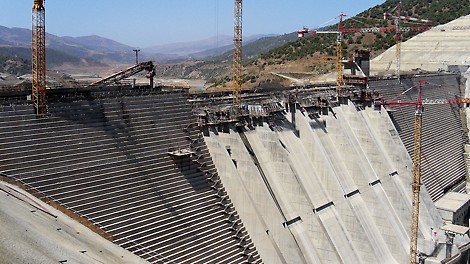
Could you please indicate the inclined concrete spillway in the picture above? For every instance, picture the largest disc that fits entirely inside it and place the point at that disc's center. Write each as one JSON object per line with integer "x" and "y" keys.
{"x": 299, "y": 186}
{"x": 332, "y": 189}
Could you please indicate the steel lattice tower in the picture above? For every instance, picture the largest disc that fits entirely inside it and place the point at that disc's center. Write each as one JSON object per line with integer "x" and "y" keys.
{"x": 38, "y": 58}
{"x": 416, "y": 175}
{"x": 339, "y": 56}
{"x": 237, "y": 52}
{"x": 398, "y": 40}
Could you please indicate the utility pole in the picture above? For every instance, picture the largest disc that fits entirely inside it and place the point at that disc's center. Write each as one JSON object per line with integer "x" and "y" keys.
{"x": 38, "y": 58}
{"x": 237, "y": 52}
{"x": 136, "y": 56}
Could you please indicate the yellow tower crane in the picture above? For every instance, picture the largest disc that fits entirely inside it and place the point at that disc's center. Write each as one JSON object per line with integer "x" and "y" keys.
{"x": 416, "y": 173}
{"x": 340, "y": 83}
{"x": 38, "y": 58}
{"x": 237, "y": 53}
{"x": 339, "y": 49}
{"x": 339, "y": 56}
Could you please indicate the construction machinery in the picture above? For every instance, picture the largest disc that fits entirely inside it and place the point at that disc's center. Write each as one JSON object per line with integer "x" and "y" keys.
{"x": 38, "y": 58}
{"x": 342, "y": 31}
{"x": 339, "y": 48}
{"x": 339, "y": 54}
{"x": 397, "y": 18}
{"x": 237, "y": 53}
{"x": 117, "y": 77}
{"x": 416, "y": 172}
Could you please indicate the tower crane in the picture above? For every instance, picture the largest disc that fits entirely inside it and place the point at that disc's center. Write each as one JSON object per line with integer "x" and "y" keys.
{"x": 416, "y": 172}
{"x": 342, "y": 31}
{"x": 339, "y": 48}
{"x": 396, "y": 18}
{"x": 339, "y": 54}
{"x": 38, "y": 58}
{"x": 237, "y": 52}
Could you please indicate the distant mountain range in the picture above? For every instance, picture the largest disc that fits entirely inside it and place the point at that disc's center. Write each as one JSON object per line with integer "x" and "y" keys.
{"x": 93, "y": 49}
{"x": 98, "y": 51}
{"x": 202, "y": 48}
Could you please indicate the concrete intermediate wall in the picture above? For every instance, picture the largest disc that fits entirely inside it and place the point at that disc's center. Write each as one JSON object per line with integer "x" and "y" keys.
{"x": 252, "y": 198}
{"x": 326, "y": 189}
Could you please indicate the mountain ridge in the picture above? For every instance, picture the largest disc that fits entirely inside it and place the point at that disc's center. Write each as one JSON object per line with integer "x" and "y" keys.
{"x": 98, "y": 50}
{"x": 205, "y": 47}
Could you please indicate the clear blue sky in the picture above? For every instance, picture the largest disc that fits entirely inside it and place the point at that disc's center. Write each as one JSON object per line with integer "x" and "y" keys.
{"x": 143, "y": 23}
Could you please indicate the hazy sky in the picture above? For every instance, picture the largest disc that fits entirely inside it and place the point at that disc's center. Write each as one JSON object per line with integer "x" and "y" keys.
{"x": 143, "y": 23}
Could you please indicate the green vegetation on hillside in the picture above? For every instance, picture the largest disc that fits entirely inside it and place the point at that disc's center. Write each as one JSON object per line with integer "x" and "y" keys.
{"x": 254, "y": 49}
{"x": 440, "y": 11}
{"x": 302, "y": 48}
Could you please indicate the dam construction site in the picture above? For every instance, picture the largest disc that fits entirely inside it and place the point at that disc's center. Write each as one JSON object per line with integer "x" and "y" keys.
{"x": 370, "y": 166}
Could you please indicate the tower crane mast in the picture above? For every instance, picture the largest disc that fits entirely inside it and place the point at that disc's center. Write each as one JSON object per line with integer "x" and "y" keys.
{"x": 339, "y": 48}
{"x": 416, "y": 173}
{"x": 339, "y": 55}
{"x": 398, "y": 40}
{"x": 38, "y": 58}
{"x": 237, "y": 52}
